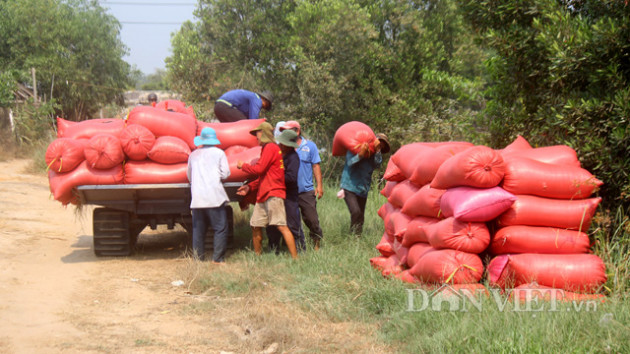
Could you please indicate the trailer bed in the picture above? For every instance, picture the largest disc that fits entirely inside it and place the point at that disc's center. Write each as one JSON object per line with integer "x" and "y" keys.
{"x": 146, "y": 199}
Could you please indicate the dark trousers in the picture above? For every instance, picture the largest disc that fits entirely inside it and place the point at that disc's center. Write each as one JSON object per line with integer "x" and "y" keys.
{"x": 217, "y": 218}
{"x": 294, "y": 223}
{"x": 227, "y": 114}
{"x": 356, "y": 206}
{"x": 308, "y": 208}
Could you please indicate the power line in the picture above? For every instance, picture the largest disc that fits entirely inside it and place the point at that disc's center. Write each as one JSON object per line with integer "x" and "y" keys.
{"x": 148, "y": 4}
{"x": 149, "y": 23}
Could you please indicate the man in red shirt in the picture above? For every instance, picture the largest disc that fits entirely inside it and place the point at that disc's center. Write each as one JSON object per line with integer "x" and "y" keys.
{"x": 269, "y": 208}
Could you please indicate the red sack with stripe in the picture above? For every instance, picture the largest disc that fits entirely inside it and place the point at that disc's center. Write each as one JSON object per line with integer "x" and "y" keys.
{"x": 234, "y": 133}
{"x": 401, "y": 193}
{"x": 401, "y": 251}
{"x": 175, "y": 106}
{"x": 397, "y": 224}
{"x": 537, "y": 239}
{"x": 424, "y": 171}
{"x": 471, "y": 237}
{"x": 389, "y": 187}
{"x": 572, "y": 272}
{"x": 385, "y": 210}
{"x": 448, "y": 266}
{"x": 385, "y": 245}
{"x": 393, "y": 173}
{"x": 169, "y": 150}
{"x": 165, "y": 123}
{"x": 416, "y": 251}
{"x": 65, "y": 154}
{"x": 379, "y": 263}
{"x": 235, "y": 149}
{"x": 86, "y": 129}
{"x": 560, "y": 213}
{"x": 104, "y": 151}
{"x": 149, "y": 172}
{"x": 478, "y": 166}
{"x": 518, "y": 144}
{"x": 62, "y": 184}
{"x": 392, "y": 267}
{"x": 536, "y": 292}
{"x": 415, "y": 233}
{"x": 353, "y": 136}
{"x": 384, "y": 263}
{"x": 555, "y": 155}
{"x": 527, "y": 176}
{"x": 249, "y": 156}
{"x": 136, "y": 141}
{"x": 62, "y": 125}
{"x": 406, "y": 277}
{"x": 411, "y": 155}
{"x": 424, "y": 202}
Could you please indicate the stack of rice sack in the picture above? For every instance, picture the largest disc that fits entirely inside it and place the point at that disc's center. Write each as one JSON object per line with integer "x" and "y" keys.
{"x": 150, "y": 146}
{"x": 542, "y": 239}
{"x": 443, "y": 200}
{"x": 440, "y": 196}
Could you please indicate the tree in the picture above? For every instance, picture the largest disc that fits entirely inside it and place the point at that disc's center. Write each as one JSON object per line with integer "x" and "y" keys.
{"x": 189, "y": 69}
{"x": 73, "y": 45}
{"x": 561, "y": 75}
{"x": 156, "y": 81}
{"x": 402, "y": 67}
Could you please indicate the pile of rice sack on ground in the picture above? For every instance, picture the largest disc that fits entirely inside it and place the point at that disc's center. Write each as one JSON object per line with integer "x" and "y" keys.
{"x": 151, "y": 145}
{"x": 524, "y": 211}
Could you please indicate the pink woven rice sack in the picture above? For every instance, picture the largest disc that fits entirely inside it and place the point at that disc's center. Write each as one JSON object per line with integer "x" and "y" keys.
{"x": 475, "y": 204}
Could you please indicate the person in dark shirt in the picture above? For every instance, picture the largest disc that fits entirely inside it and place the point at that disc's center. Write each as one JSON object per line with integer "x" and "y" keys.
{"x": 240, "y": 104}
{"x": 288, "y": 143}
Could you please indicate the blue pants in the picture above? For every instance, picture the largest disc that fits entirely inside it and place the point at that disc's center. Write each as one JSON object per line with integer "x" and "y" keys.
{"x": 217, "y": 218}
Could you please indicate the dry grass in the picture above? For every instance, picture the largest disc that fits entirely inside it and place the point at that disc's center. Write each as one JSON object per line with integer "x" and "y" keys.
{"x": 259, "y": 316}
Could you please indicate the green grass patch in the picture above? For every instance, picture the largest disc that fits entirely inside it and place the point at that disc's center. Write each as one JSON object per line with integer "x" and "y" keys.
{"x": 337, "y": 283}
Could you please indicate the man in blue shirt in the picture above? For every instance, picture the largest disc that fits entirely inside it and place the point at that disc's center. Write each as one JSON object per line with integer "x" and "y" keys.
{"x": 240, "y": 104}
{"x": 308, "y": 192}
{"x": 356, "y": 180}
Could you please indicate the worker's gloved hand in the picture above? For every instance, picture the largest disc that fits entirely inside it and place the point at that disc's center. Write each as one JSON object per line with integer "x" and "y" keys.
{"x": 364, "y": 151}
{"x": 243, "y": 190}
{"x": 377, "y": 145}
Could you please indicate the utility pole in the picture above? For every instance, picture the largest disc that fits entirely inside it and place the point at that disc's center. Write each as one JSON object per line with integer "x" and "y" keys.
{"x": 34, "y": 85}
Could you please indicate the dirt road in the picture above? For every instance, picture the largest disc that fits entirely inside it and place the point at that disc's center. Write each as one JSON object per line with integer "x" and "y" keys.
{"x": 56, "y": 296}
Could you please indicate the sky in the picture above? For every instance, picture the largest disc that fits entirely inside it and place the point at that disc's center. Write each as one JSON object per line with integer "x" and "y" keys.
{"x": 147, "y": 27}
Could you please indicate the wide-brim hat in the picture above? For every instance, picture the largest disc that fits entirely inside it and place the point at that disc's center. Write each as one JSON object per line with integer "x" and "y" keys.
{"x": 288, "y": 138}
{"x": 207, "y": 137}
{"x": 267, "y": 132}
{"x": 385, "y": 147}
{"x": 268, "y": 96}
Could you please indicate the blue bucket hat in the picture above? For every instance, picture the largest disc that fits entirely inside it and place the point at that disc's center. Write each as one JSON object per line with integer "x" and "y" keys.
{"x": 208, "y": 137}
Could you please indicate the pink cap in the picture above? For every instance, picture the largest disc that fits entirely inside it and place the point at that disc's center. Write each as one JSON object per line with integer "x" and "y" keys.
{"x": 290, "y": 125}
